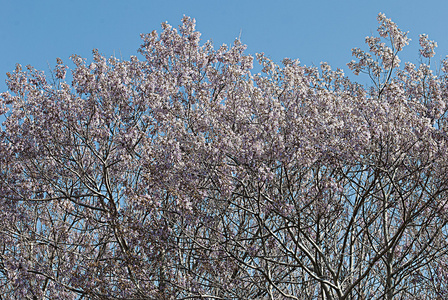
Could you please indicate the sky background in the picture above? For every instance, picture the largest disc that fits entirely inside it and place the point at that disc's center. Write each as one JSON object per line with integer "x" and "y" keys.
{"x": 36, "y": 32}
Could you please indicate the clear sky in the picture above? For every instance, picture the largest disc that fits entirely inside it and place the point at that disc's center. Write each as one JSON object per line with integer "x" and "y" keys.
{"x": 35, "y": 32}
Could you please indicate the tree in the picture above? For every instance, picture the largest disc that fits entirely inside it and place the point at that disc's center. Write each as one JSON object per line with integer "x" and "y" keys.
{"x": 185, "y": 176}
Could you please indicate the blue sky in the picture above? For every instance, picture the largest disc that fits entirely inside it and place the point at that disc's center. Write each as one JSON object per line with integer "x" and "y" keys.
{"x": 36, "y": 32}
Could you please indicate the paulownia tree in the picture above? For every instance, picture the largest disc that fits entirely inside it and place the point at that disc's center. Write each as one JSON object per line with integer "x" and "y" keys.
{"x": 186, "y": 176}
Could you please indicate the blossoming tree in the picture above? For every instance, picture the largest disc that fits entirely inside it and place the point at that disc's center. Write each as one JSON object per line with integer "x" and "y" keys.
{"x": 186, "y": 176}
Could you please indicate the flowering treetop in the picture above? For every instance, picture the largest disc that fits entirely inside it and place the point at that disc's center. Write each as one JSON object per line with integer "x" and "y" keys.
{"x": 186, "y": 176}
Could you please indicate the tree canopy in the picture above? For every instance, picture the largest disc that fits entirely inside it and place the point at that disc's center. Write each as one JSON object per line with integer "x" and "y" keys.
{"x": 184, "y": 175}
